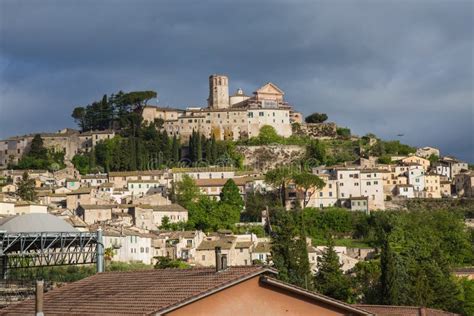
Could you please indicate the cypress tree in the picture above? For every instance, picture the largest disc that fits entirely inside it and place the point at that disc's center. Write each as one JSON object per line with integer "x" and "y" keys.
{"x": 213, "y": 149}
{"x": 37, "y": 150}
{"x": 26, "y": 188}
{"x": 198, "y": 147}
{"x": 231, "y": 195}
{"x": 394, "y": 277}
{"x": 289, "y": 251}
{"x": 165, "y": 147}
{"x": 175, "y": 149}
{"x": 208, "y": 152}
{"x": 191, "y": 147}
{"x": 133, "y": 153}
{"x": 329, "y": 279}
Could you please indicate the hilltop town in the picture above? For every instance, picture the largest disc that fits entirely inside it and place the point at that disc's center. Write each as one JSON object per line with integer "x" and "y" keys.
{"x": 164, "y": 183}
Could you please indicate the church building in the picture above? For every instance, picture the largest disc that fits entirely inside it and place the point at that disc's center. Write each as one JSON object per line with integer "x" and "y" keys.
{"x": 229, "y": 117}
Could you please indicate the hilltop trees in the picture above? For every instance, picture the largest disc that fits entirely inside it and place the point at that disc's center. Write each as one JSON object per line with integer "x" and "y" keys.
{"x": 209, "y": 151}
{"x": 316, "y": 118}
{"x": 121, "y": 110}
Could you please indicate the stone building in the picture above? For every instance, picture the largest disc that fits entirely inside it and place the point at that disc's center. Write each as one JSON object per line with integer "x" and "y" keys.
{"x": 464, "y": 184}
{"x": 229, "y": 117}
{"x": 67, "y": 140}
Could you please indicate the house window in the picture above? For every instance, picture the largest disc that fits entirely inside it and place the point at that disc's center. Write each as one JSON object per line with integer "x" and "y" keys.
{"x": 261, "y": 114}
{"x": 241, "y": 250}
{"x": 203, "y": 257}
{"x": 320, "y": 194}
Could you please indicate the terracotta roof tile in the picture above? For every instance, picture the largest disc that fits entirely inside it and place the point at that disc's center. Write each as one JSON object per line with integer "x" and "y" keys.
{"x": 402, "y": 310}
{"x": 134, "y": 293}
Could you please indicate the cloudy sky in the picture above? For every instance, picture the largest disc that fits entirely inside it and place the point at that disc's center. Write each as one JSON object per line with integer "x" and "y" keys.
{"x": 387, "y": 67}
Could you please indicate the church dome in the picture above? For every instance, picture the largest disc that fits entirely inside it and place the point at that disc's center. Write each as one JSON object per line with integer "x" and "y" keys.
{"x": 35, "y": 222}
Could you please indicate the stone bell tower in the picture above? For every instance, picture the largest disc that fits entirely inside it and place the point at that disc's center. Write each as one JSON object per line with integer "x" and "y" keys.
{"x": 218, "y": 92}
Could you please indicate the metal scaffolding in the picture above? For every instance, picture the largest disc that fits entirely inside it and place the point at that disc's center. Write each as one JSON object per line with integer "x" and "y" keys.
{"x": 41, "y": 249}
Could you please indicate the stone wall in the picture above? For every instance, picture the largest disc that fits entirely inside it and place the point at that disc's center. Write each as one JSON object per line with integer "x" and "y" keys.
{"x": 263, "y": 158}
{"x": 465, "y": 205}
{"x": 317, "y": 130}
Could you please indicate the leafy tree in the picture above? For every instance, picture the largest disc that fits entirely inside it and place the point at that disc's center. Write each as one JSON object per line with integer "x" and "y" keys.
{"x": 385, "y": 159}
{"x": 344, "y": 132}
{"x": 26, "y": 188}
{"x": 166, "y": 263}
{"x": 109, "y": 254}
{"x": 268, "y": 135}
{"x": 186, "y": 191}
{"x": 224, "y": 215}
{"x": 330, "y": 280}
{"x": 366, "y": 281}
{"x": 79, "y": 115}
{"x": 467, "y": 296}
{"x": 37, "y": 149}
{"x": 316, "y": 118}
{"x": 308, "y": 181}
{"x": 38, "y": 157}
{"x": 279, "y": 178}
{"x": 81, "y": 163}
{"x": 433, "y": 159}
{"x": 317, "y": 150}
{"x": 255, "y": 203}
{"x": 231, "y": 195}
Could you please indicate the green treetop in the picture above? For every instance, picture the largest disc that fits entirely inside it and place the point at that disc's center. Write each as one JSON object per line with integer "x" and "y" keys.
{"x": 26, "y": 188}
{"x": 231, "y": 195}
{"x": 329, "y": 279}
{"x": 187, "y": 191}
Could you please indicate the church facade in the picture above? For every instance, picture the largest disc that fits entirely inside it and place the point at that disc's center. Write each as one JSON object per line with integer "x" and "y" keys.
{"x": 229, "y": 117}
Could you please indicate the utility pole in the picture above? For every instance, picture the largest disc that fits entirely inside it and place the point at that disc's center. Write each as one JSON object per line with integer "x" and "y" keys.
{"x": 100, "y": 251}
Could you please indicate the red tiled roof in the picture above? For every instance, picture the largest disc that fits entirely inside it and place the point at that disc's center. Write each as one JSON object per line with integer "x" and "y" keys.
{"x": 135, "y": 292}
{"x": 402, "y": 310}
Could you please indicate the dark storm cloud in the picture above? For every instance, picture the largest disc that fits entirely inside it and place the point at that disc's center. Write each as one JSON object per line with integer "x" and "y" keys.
{"x": 385, "y": 67}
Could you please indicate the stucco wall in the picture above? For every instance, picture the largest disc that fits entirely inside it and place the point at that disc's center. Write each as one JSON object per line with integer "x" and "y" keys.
{"x": 252, "y": 298}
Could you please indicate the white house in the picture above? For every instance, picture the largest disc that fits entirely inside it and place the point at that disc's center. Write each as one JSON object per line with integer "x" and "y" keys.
{"x": 416, "y": 177}
{"x": 144, "y": 187}
{"x": 128, "y": 245}
{"x": 405, "y": 190}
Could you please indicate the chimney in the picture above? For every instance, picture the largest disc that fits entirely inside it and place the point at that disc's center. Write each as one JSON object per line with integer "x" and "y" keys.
{"x": 218, "y": 259}
{"x": 39, "y": 298}
{"x": 224, "y": 262}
